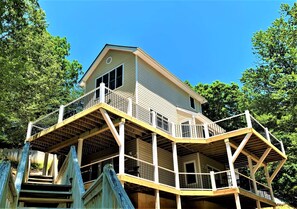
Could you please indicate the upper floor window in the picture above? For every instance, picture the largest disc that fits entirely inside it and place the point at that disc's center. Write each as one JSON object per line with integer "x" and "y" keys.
{"x": 161, "y": 121}
{"x": 192, "y": 102}
{"x": 112, "y": 80}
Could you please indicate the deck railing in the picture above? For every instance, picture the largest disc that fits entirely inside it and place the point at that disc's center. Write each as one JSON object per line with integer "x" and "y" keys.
{"x": 197, "y": 181}
{"x": 118, "y": 101}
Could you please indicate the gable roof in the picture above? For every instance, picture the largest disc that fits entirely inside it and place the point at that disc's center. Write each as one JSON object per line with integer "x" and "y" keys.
{"x": 149, "y": 60}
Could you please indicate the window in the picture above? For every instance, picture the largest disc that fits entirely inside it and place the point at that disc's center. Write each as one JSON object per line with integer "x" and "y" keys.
{"x": 185, "y": 126}
{"x": 161, "y": 121}
{"x": 112, "y": 80}
{"x": 190, "y": 168}
{"x": 192, "y": 102}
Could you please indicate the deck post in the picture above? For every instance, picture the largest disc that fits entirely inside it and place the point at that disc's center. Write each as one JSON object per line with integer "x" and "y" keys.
{"x": 206, "y": 132}
{"x": 269, "y": 182}
{"x": 231, "y": 165}
{"x": 267, "y": 134}
{"x": 175, "y": 165}
{"x": 45, "y": 161}
{"x": 157, "y": 199}
{"x": 129, "y": 109}
{"x": 178, "y": 202}
{"x": 55, "y": 167}
{"x": 282, "y": 147}
{"x": 29, "y": 130}
{"x": 173, "y": 129}
{"x": 102, "y": 93}
{"x": 213, "y": 181}
{"x": 237, "y": 201}
{"x": 252, "y": 174}
{"x": 122, "y": 148}
{"x": 61, "y": 113}
{"x": 193, "y": 128}
{"x": 258, "y": 204}
{"x": 155, "y": 157}
{"x": 153, "y": 113}
{"x": 79, "y": 150}
{"x": 248, "y": 119}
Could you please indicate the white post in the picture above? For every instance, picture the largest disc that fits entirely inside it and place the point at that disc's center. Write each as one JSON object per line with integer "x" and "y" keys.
{"x": 231, "y": 165}
{"x": 45, "y": 161}
{"x": 248, "y": 119}
{"x": 175, "y": 165}
{"x": 122, "y": 148}
{"x": 29, "y": 130}
{"x": 102, "y": 93}
{"x": 129, "y": 109}
{"x": 282, "y": 146}
{"x": 173, "y": 129}
{"x": 155, "y": 157}
{"x": 267, "y": 134}
{"x": 193, "y": 128}
{"x": 213, "y": 181}
{"x": 237, "y": 201}
{"x": 206, "y": 132}
{"x": 178, "y": 202}
{"x": 157, "y": 197}
{"x": 61, "y": 113}
{"x": 55, "y": 167}
{"x": 258, "y": 204}
{"x": 79, "y": 150}
{"x": 153, "y": 118}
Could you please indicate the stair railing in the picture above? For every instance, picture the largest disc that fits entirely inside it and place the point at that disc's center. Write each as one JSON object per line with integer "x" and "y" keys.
{"x": 8, "y": 197}
{"x": 107, "y": 192}
{"x": 70, "y": 174}
{"x": 22, "y": 171}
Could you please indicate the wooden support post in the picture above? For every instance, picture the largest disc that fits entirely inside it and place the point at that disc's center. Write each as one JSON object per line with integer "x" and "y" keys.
{"x": 102, "y": 93}
{"x": 45, "y": 161}
{"x": 237, "y": 201}
{"x": 122, "y": 148}
{"x": 213, "y": 181}
{"x": 29, "y": 130}
{"x": 258, "y": 204}
{"x": 231, "y": 165}
{"x": 277, "y": 169}
{"x": 79, "y": 150}
{"x": 257, "y": 166}
{"x": 175, "y": 165}
{"x": 155, "y": 157}
{"x": 269, "y": 183}
{"x": 206, "y": 132}
{"x": 111, "y": 126}
{"x": 248, "y": 119}
{"x": 130, "y": 108}
{"x": 178, "y": 202}
{"x": 61, "y": 113}
{"x": 157, "y": 198}
{"x": 250, "y": 163}
{"x": 241, "y": 146}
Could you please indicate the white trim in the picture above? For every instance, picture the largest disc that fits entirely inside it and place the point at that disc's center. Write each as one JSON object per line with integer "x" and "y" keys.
{"x": 191, "y": 104}
{"x": 195, "y": 171}
{"x": 136, "y": 79}
{"x": 108, "y": 60}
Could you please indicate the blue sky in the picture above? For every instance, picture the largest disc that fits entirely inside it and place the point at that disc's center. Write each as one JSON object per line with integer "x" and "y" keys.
{"x": 199, "y": 41}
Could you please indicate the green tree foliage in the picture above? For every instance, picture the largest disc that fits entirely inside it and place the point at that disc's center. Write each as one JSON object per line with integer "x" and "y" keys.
{"x": 35, "y": 73}
{"x": 271, "y": 91}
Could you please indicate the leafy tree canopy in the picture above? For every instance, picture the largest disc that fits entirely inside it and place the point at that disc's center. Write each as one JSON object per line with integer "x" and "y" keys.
{"x": 35, "y": 73}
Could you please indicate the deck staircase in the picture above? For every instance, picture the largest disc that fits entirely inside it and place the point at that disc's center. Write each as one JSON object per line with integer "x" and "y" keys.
{"x": 39, "y": 191}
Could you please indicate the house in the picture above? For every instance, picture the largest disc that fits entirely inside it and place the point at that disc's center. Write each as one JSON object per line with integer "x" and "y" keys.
{"x": 149, "y": 125}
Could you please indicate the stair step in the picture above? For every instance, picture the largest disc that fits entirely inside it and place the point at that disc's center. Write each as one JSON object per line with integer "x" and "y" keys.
{"x": 39, "y": 179}
{"x": 40, "y": 176}
{"x": 45, "y": 187}
{"x": 44, "y": 200}
{"x": 39, "y": 182}
{"x": 45, "y": 194}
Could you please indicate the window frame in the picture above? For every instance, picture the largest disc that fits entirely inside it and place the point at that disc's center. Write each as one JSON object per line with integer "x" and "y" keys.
{"x": 194, "y": 175}
{"x": 194, "y": 105}
{"x": 164, "y": 120}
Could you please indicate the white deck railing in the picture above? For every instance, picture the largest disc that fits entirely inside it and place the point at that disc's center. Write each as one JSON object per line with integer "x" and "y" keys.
{"x": 186, "y": 131}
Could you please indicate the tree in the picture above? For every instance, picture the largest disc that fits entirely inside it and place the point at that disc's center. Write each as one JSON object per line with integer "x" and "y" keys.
{"x": 35, "y": 73}
{"x": 270, "y": 90}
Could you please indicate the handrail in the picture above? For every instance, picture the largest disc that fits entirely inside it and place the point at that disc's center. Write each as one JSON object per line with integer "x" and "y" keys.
{"x": 70, "y": 174}
{"x": 22, "y": 172}
{"x": 7, "y": 188}
{"x": 99, "y": 161}
{"x": 107, "y": 184}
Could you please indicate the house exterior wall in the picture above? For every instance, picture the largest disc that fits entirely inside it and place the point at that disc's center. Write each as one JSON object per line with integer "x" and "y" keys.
{"x": 158, "y": 93}
{"x": 118, "y": 58}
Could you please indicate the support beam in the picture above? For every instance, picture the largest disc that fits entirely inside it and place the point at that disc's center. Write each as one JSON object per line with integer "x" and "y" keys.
{"x": 175, "y": 165}
{"x": 248, "y": 119}
{"x": 250, "y": 163}
{"x": 213, "y": 181}
{"x": 111, "y": 126}
{"x": 257, "y": 166}
{"x": 241, "y": 146}
{"x": 84, "y": 135}
{"x": 237, "y": 201}
{"x": 178, "y": 202}
{"x": 231, "y": 165}
{"x": 157, "y": 199}
{"x": 45, "y": 162}
{"x": 129, "y": 109}
{"x": 79, "y": 150}
{"x": 280, "y": 165}
{"x": 122, "y": 148}
{"x": 269, "y": 183}
{"x": 258, "y": 204}
{"x": 155, "y": 157}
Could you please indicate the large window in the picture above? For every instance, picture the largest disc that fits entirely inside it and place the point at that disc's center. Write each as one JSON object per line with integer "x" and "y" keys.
{"x": 190, "y": 168}
{"x": 112, "y": 80}
{"x": 161, "y": 121}
{"x": 192, "y": 102}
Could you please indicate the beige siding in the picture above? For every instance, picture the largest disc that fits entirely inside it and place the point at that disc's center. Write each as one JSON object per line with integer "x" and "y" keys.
{"x": 158, "y": 93}
{"x": 118, "y": 58}
{"x": 204, "y": 160}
